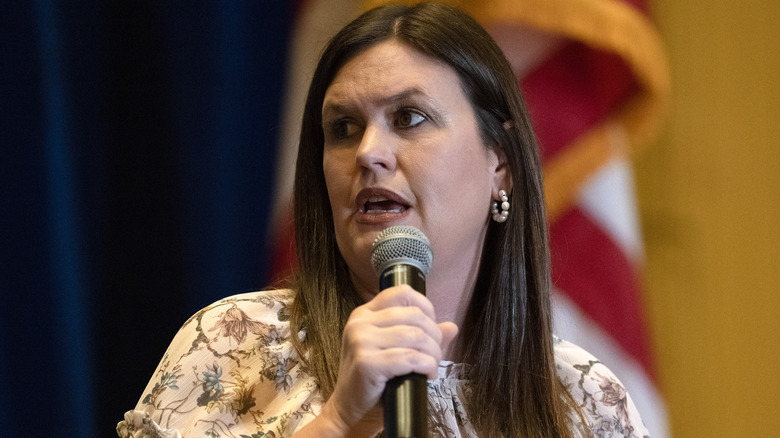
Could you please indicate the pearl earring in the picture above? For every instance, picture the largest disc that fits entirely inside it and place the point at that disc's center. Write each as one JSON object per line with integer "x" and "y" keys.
{"x": 501, "y": 216}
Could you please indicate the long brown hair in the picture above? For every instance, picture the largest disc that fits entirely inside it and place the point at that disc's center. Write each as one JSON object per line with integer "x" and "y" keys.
{"x": 507, "y": 333}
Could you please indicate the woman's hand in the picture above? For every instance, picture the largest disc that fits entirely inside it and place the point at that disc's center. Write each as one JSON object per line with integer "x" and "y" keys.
{"x": 392, "y": 335}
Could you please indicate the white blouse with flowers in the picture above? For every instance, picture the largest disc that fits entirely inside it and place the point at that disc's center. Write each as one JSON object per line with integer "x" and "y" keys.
{"x": 231, "y": 371}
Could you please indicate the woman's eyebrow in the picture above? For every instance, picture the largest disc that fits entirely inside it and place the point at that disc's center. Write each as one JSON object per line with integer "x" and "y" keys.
{"x": 416, "y": 95}
{"x": 336, "y": 108}
{"x": 403, "y": 97}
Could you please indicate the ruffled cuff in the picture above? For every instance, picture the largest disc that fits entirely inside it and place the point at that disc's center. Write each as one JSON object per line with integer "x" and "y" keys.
{"x": 138, "y": 424}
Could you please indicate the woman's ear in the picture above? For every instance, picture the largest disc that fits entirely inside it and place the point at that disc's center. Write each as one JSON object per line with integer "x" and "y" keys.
{"x": 502, "y": 179}
{"x": 502, "y": 176}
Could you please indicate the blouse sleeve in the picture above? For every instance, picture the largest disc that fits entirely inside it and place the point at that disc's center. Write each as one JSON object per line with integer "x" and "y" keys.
{"x": 230, "y": 371}
{"x": 604, "y": 402}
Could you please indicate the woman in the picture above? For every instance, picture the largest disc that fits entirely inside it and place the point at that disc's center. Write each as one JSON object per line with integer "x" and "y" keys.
{"x": 413, "y": 118}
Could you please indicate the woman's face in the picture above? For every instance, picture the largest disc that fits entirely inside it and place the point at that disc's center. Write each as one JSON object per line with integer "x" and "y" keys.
{"x": 402, "y": 147}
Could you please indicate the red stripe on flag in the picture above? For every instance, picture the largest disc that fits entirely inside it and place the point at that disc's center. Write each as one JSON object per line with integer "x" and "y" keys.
{"x": 284, "y": 260}
{"x": 596, "y": 275}
{"x": 572, "y": 91}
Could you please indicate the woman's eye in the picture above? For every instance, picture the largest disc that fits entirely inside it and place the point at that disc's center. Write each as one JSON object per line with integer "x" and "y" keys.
{"x": 408, "y": 118}
{"x": 341, "y": 129}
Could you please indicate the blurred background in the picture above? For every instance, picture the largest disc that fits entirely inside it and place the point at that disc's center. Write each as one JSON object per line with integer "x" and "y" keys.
{"x": 141, "y": 157}
{"x": 709, "y": 197}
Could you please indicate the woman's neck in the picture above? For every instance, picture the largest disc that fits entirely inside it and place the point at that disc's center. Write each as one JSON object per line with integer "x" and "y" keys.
{"x": 451, "y": 294}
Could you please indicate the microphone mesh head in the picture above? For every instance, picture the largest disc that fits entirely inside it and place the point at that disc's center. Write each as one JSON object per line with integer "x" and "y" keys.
{"x": 402, "y": 244}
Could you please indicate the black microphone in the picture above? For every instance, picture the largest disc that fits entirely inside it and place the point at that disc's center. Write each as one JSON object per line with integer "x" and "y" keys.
{"x": 402, "y": 255}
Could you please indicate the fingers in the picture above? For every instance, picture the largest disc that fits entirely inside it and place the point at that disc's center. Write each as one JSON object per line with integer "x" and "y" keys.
{"x": 401, "y": 296}
{"x": 397, "y": 317}
{"x": 424, "y": 336}
{"x": 398, "y": 361}
{"x": 395, "y": 350}
{"x": 409, "y": 322}
{"x": 393, "y": 334}
{"x": 398, "y": 327}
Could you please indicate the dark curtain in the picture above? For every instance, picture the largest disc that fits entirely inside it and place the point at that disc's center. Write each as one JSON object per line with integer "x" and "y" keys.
{"x": 139, "y": 144}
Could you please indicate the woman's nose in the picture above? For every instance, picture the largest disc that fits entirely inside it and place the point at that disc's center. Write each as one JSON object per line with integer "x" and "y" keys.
{"x": 376, "y": 151}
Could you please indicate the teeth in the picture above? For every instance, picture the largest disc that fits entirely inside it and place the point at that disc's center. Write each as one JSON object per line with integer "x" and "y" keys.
{"x": 376, "y": 210}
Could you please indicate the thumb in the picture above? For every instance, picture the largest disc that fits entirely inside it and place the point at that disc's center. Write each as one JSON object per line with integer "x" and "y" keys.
{"x": 448, "y": 331}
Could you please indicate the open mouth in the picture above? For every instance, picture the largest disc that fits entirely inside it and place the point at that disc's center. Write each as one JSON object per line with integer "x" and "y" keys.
{"x": 380, "y": 205}
{"x": 380, "y": 201}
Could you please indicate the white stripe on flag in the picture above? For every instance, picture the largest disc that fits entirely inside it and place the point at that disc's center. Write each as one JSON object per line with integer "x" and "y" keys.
{"x": 608, "y": 199}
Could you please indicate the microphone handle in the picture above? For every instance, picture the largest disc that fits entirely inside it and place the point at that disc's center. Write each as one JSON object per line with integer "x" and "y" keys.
{"x": 405, "y": 403}
{"x": 405, "y": 398}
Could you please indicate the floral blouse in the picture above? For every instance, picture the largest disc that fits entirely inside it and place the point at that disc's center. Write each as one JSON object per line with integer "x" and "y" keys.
{"x": 231, "y": 371}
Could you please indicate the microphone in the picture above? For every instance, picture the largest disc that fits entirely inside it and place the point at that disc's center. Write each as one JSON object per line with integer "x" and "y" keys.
{"x": 402, "y": 255}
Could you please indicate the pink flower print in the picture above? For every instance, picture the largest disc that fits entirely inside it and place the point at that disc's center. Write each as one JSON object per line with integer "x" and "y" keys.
{"x": 235, "y": 324}
{"x": 614, "y": 394}
{"x": 612, "y": 391}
